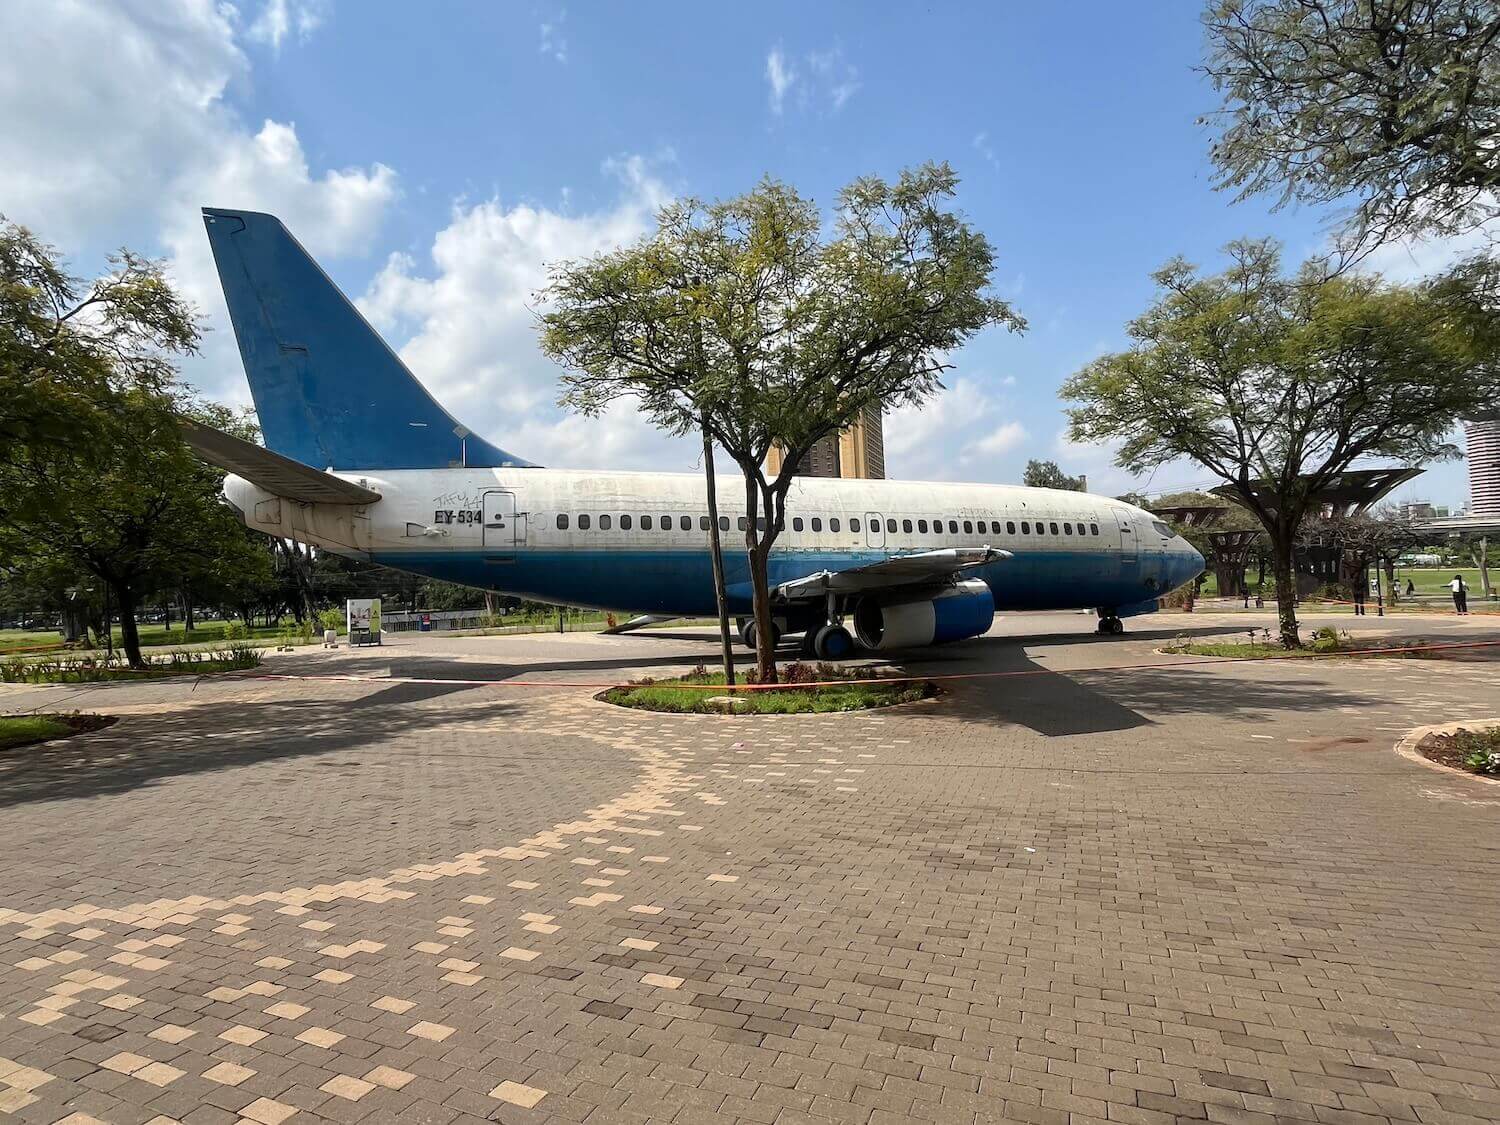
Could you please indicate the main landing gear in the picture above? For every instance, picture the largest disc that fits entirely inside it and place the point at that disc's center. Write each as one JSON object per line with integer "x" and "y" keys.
{"x": 833, "y": 642}
{"x": 1110, "y": 625}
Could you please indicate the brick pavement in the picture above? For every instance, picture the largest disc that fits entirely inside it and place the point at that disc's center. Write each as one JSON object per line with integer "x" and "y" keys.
{"x": 1127, "y": 895}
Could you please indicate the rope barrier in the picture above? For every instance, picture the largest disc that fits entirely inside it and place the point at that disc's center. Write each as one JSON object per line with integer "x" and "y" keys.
{"x": 1192, "y": 659}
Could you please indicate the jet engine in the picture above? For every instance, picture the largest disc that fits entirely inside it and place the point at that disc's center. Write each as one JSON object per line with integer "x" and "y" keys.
{"x": 965, "y": 609}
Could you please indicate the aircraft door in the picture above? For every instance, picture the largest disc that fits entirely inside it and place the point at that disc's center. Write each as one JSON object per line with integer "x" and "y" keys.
{"x": 1129, "y": 550}
{"x": 502, "y": 526}
{"x": 874, "y": 529}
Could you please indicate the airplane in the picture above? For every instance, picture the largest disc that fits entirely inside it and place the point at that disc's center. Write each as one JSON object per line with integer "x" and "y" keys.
{"x": 360, "y": 460}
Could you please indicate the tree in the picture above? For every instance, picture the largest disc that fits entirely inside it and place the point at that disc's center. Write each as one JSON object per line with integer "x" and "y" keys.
{"x": 66, "y": 346}
{"x": 1046, "y": 474}
{"x": 131, "y": 506}
{"x": 1395, "y": 104}
{"x": 740, "y": 317}
{"x": 1276, "y": 384}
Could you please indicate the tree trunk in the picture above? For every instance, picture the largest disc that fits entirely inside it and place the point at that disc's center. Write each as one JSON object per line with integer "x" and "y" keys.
{"x": 765, "y": 652}
{"x": 1481, "y": 554}
{"x": 1286, "y": 589}
{"x": 758, "y": 550}
{"x": 716, "y": 550}
{"x": 187, "y": 610}
{"x": 130, "y": 639}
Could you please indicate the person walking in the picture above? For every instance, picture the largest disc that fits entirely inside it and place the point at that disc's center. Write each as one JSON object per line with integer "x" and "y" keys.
{"x": 1460, "y": 594}
{"x": 1411, "y": 589}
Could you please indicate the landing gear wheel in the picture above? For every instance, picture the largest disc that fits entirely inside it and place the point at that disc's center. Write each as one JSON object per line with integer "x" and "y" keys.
{"x": 1111, "y": 626}
{"x": 747, "y": 634}
{"x": 833, "y": 642}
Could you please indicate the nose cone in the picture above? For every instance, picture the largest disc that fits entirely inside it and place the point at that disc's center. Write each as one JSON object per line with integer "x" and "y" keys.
{"x": 1185, "y": 563}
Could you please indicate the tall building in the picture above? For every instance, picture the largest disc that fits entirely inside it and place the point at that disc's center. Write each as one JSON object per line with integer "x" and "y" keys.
{"x": 1483, "y": 440}
{"x": 856, "y": 453}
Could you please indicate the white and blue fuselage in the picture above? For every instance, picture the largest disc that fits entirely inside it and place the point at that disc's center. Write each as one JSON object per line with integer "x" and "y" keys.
{"x": 639, "y": 541}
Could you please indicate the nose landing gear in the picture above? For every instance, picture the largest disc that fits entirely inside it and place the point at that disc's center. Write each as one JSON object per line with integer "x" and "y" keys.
{"x": 1110, "y": 625}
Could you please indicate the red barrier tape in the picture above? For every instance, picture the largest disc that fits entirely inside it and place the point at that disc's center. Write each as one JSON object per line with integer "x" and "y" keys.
{"x": 1192, "y": 659}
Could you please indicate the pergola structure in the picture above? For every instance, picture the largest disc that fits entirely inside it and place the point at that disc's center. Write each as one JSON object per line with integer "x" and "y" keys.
{"x": 1344, "y": 494}
{"x": 1231, "y": 552}
{"x": 1350, "y": 493}
{"x": 1192, "y": 515}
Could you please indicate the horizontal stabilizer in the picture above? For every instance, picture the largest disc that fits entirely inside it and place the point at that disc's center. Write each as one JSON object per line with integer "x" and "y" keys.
{"x": 271, "y": 471}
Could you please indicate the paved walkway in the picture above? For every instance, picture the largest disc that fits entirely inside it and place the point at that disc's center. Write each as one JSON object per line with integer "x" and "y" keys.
{"x": 1106, "y": 886}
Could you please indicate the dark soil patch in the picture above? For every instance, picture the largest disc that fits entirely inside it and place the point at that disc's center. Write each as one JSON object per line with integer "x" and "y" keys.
{"x": 1456, "y": 749}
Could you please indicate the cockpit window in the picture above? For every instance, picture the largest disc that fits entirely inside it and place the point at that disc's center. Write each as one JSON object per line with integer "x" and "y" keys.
{"x": 1162, "y": 529}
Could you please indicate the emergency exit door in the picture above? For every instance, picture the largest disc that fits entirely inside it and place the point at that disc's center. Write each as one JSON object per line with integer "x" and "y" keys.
{"x": 504, "y": 527}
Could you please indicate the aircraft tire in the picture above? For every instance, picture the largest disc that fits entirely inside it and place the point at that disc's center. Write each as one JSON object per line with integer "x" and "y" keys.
{"x": 747, "y": 634}
{"x": 1111, "y": 626}
{"x": 833, "y": 642}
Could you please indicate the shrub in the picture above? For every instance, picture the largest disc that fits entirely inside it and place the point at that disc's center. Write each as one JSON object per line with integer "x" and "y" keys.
{"x": 331, "y": 618}
{"x": 235, "y": 631}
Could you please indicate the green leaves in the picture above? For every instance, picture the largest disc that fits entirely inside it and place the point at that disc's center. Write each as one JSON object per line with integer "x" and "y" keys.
{"x": 744, "y": 310}
{"x": 1394, "y": 105}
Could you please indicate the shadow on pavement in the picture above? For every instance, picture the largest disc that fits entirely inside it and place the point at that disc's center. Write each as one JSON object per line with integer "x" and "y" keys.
{"x": 144, "y": 749}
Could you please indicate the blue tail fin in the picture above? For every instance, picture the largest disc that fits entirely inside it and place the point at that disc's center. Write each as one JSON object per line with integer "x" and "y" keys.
{"x": 329, "y": 391}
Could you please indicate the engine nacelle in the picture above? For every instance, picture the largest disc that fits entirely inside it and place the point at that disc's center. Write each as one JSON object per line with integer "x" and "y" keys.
{"x": 966, "y": 609}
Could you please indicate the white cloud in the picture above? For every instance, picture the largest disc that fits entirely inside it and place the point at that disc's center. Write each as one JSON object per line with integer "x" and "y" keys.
{"x": 780, "y": 77}
{"x": 552, "y": 43}
{"x": 470, "y": 333}
{"x": 141, "y": 136}
{"x": 279, "y": 18}
{"x": 982, "y": 146}
{"x": 1415, "y": 258}
{"x": 819, "y": 79}
{"x": 1002, "y": 439}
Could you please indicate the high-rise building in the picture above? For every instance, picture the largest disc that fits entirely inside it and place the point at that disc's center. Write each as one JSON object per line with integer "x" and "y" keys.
{"x": 1483, "y": 440}
{"x": 856, "y": 453}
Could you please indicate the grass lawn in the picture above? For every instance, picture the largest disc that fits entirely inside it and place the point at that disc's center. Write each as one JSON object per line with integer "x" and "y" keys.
{"x": 690, "y": 694}
{"x": 1315, "y": 646}
{"x": 22, "y": 730}
{"x": 152, "y": 636}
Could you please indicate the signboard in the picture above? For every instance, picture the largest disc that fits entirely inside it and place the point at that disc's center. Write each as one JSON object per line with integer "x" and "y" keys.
{"x": 362, "y": 616}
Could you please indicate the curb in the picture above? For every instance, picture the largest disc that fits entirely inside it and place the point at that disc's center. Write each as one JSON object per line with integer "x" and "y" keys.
{"x": 1407, "y": 747}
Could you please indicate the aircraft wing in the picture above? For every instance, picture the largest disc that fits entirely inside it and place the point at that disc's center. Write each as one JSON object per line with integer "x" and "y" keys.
{"x": 271, "y": 471}
{"x": 917, "y": 569}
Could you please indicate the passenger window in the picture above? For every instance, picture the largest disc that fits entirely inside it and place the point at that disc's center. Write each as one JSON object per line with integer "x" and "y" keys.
{"x": 890, "y": 525}
{"x": 1067, "y": 529}
{"x": 1054, "y": 528}
{"x": 583, "y": 522}
{"x": 796, "y": 523}
{"x": 1041, "y": 528}
{"x": 604, "y": 523}
{"x": 1025, "y": 528}
{"x": 760, "y": 523}
{"x": 562, "y": 521}
{"x": 922, "y": 526}
{"x": 742, "y": 523}
{"x": 817, "y": 523}
{"x": 853, "y": 524}
{"x": 686, "y": 523}
{"x": 833, "y": 523}
{"x": 702, "y": 523}
{"x": 968, "y": 527}
{"x": 624, "y": 523}
{"x": 1093, "y": 529}
{"x": 952, "y": 527}
{"x": 646, "y": 522}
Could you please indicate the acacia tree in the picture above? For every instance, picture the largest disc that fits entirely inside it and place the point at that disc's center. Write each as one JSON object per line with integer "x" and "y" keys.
{"x": 1277, "y": 383}
{"x": 743, "y": 318}
{"x": 1392, "y": 103}
{"x": 1046, "y": 474}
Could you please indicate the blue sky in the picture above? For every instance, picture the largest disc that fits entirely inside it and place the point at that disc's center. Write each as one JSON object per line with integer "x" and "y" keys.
{"x": 436, "y": 159}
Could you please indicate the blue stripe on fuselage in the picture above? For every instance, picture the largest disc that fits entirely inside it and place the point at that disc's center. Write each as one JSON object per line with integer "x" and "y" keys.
{"x": 681, "y": 582}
